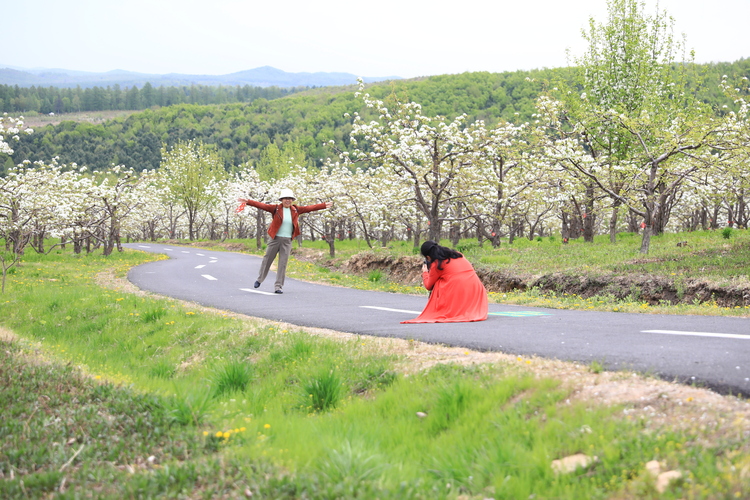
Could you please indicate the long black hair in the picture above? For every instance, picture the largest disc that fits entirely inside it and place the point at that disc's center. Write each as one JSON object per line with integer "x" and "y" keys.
{"x": 437, "y": 253}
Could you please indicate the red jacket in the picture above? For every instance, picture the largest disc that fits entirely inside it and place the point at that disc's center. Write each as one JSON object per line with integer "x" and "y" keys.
{"x": 278, "y": 215}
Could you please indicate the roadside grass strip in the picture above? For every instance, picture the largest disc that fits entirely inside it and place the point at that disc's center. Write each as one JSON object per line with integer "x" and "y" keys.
{"x": 113, "y": 394}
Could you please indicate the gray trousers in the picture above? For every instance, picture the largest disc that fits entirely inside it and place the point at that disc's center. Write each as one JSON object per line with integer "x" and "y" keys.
{"x": 282, "y": 247}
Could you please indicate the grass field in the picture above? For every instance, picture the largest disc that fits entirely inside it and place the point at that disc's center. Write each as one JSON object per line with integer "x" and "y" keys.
{"x": 111, "y": 393}
{"x": 38, "y": 120}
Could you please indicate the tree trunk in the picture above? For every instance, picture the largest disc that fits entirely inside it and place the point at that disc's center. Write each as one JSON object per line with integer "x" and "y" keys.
{"x": 330, "y": 238}
{"x": 646, "y": 241}
{"x": 613, "y": 221}
{"x": 589, "y": 219}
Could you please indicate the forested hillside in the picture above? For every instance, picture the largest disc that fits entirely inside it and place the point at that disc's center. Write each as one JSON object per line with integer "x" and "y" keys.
{"x": 24, "y": 100}
{"x": 240, "y": 131}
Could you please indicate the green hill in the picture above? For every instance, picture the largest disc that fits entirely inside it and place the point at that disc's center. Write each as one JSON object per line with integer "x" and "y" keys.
{"x": 240, "y": 131}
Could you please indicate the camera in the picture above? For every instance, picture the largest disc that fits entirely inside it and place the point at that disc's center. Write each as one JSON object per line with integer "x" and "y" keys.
{"x": 427, "y": 263}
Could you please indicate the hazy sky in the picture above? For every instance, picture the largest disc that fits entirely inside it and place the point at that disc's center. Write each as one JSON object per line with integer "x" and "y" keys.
{"x": 404, "y": 38}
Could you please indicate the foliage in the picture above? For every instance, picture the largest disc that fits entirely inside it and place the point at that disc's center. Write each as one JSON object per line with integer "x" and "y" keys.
{"x": 15, "y": 99}
{"x": 189, "y": 170}
{"x": 232, "y": 377}
{"x": 241, "y": 131}
{"x": 634, "y": 128}
{"x": 322, "y": 392}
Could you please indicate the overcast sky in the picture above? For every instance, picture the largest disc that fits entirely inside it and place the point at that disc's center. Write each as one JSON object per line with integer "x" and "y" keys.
{"x": 405, "y": 38}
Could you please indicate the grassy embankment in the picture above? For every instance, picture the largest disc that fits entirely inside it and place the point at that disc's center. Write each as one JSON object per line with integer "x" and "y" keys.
{"x": 117, "y": 394}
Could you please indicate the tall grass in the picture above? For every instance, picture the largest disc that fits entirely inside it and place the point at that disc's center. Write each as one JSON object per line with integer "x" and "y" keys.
{"x": 215, "y": 401}
{"x": 322, "y": 391}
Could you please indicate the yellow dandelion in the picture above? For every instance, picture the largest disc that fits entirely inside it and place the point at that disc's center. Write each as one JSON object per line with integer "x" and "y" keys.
{"x": 205, "y": 433}
{"x": 219, "y": 434}
{"x": 267, "y": 426}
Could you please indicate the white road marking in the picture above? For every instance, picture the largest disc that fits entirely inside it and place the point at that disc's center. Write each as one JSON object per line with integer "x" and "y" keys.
{"x": 143, "y": 246}
{"x": 168, "y": 249}
{"x": 185, "y": 251}
{"x": 212, "y": 262}
{"x": 201, "y": 266}
{"x": 209, "y": 277}
{"x": 700, "y": 334}
{"x": 200, "y": 255}
{"x": 392, "y": 310}
{"x": 257, "y": 291}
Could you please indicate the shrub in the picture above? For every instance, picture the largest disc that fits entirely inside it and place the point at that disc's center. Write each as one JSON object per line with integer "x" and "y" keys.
{"x": 726, "y": 232}
{"x": 232, "y": 377}
{"x": 375, "y": 275}
{"x": 190, "y": 409}
{"x": 323, "y": 391}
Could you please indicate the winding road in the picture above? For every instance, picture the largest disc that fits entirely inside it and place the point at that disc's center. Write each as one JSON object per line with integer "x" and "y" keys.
{"x": 710, "y": 351}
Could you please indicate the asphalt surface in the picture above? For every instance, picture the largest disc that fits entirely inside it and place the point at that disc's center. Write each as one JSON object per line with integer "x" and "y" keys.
{"x": 709, "y": 351}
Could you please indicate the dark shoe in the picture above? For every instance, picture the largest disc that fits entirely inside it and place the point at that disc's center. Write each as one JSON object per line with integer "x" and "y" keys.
{"x": 278, "y": 291}
{"x": 256, "y": 284}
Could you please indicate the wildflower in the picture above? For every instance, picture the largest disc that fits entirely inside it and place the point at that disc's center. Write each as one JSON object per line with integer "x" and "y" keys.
{"x": 267, "y": 426}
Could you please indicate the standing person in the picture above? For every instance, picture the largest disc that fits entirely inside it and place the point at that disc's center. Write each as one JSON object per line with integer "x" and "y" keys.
{"x": 457, "y": 294}
{"x": 283, "y": 229}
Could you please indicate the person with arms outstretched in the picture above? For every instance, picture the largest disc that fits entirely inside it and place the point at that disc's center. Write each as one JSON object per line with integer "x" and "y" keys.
{"x": 283, "y": 229}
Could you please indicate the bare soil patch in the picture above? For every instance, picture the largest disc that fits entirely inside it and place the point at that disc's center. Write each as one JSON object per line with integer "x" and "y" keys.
{"x": 41, "y": 120}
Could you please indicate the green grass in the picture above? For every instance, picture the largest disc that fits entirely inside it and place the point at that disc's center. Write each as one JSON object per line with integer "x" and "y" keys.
{"x": 101, "y": 380}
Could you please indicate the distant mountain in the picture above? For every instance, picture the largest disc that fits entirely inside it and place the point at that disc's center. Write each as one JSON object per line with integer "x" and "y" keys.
{"x": 265, "y": 76}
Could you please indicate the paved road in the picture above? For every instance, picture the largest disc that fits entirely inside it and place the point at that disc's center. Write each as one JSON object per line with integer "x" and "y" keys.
{"x": 706, "y": 350}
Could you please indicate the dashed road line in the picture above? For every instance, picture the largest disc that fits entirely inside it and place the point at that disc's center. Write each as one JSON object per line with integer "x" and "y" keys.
{"x": 391, "y": 310}
{"x": 200, "y": 255}
{"x": 257, "y": 291}
{"x": 201, "y": 266}
{"x": 700, "y": 334}
{"x": 520, "y": 314}
{"x": 209, "y": 277}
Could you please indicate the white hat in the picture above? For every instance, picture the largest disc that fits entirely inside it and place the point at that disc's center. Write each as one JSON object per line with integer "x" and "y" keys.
{"x": 287, "y": 193}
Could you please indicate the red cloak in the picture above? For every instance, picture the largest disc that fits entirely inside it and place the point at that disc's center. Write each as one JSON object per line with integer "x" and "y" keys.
{"x": 457, "y": 294}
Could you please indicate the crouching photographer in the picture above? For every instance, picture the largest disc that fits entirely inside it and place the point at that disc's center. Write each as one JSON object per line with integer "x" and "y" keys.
{"x": 456, "y": 293}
